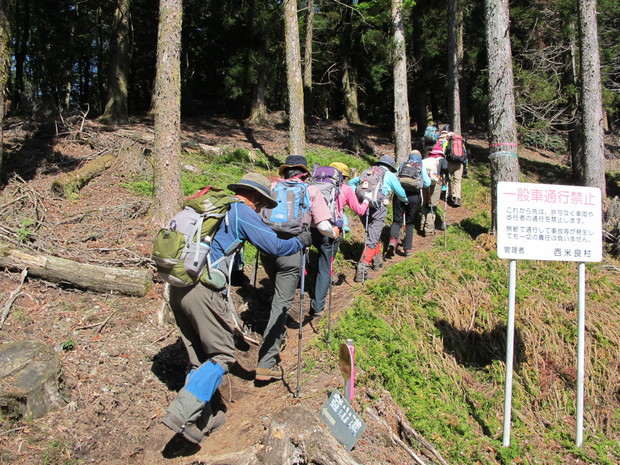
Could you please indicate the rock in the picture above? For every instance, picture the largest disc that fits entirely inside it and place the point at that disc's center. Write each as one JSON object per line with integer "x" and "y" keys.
{"x": 30, "y": 380}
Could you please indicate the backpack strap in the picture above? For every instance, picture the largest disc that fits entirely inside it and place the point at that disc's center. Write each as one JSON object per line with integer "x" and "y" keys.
{"x": 196, "y": 233}
{"x": 237, "y": 242}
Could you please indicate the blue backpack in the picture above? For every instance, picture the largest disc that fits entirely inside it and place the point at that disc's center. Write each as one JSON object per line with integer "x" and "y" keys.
{"x": 292, "y": 214}
{"x": 431, "y": 134}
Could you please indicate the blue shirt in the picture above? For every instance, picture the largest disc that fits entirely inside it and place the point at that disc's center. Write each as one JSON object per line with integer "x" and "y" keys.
{"x": 243, "y": 224}
{"x": 390, "y": 184}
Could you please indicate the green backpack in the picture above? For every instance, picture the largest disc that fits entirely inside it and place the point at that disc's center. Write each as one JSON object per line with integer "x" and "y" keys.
{"x": 181, "y": 251}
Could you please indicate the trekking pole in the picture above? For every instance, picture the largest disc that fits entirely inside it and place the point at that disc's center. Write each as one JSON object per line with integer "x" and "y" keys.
{"x": 331, "y": 283}
{"x": 445, "y": 220}
{"x": 256, "y": 267}
{"x": 404, "y": 229}
{"x": 301, "y": 320}
{"x": 364, "y": 250}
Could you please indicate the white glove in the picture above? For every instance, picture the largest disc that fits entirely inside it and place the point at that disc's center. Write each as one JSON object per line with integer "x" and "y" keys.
{"x": 368, "y": 197}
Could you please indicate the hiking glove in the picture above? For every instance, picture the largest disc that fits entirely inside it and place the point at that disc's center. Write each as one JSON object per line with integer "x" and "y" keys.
{"x": 368, "y": 197}
{"x": 305, "y": 238}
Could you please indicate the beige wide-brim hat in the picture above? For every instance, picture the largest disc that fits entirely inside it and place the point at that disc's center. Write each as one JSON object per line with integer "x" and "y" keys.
{"x": 256, "y": 182}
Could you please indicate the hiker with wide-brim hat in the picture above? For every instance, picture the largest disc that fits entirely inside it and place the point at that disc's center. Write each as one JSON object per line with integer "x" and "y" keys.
{"x": 387, "y": 161}
{"x": 285, "y": 271}
{"x": 255, "y": 186}
{"x": 297, "y": 162}
{"x": 198, "y": 310}
{"x": 374, "y": 219}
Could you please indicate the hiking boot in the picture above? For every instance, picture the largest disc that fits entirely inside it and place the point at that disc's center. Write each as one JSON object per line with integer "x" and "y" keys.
{"x": 317, "y": 316}
{"x": 456, "y": 202}
{"x": 189, "y": 430}
{"x": 429, "y": 230}
{"x": 361, "y": 274}
{"x": 215, "y": 423}
{"x": 392, "y": 246}
{"x": 208, "y": 422}
{"x": 377, "y": 262}
{"x": 440, "y": 224}
{"x": 268, "y": 374}
{"x": 429, "y": 224}
{"x": 408, "y": 252}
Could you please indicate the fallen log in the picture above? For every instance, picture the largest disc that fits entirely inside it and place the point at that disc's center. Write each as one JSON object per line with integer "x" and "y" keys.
{"x": 71, "y": 183}
{"x": 83, "y": 275}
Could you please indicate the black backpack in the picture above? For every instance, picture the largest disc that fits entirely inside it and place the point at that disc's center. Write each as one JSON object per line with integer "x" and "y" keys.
{"x": 410, "y": 175}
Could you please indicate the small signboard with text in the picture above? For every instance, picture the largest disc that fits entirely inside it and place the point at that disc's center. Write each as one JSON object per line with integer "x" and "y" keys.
{"x": 342, "y": 420}
{"x": 549, "y": 222}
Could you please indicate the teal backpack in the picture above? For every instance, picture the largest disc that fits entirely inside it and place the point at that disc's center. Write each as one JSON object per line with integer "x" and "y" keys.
{"x": 292, "y": 214}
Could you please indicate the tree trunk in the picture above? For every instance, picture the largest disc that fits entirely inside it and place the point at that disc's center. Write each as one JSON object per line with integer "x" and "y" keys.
{"x": 349, "y": 84}
{"x": 402, "y": 128}
{"x": 167, "y": 193}
{"x": 454, "y": 66}
{"x": 502, "y": 121}
{"x": 21, "y": 45}
{"x": 575, "y": 134}
{"x": 297, "y": 129}
{"x": 83, "y": 275}
{"x": 258, "y": 112}
{"x": 591, "y": 98}
{"x": 258, "y": 108}
{"x": 5, "y": 59}
{"x": 419, "y": 91}
{"x": 308, "y": 102}
{"x": 118, "y": 74}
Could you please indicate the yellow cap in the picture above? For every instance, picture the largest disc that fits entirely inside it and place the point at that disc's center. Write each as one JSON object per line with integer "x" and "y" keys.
{"x": 344, "y": 169}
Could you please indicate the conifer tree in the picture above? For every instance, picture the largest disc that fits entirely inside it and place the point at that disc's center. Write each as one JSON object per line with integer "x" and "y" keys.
{"x": 167, "y": 108}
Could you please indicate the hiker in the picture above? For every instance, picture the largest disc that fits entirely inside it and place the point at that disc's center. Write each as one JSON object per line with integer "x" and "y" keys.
{"x": 436, "y": 167}
{"x": 431, "y": 134}
{"x": 204, "y": 317}
{"x": 326, "y": 247}
{"x": 456, "y": 155}
{"x": 285, "y": 271}
{"x": 380, "y": 181}
{"x": 413, "y": 177}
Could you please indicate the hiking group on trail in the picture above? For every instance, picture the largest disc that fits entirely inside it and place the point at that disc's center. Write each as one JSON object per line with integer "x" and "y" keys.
{"x": 196, "y": 254}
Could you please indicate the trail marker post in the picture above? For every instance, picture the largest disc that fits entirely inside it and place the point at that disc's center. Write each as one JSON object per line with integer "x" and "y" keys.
{"x": 548, "y": 222}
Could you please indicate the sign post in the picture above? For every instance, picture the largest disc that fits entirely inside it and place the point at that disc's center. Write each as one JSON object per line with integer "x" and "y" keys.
{"x": 548, "y": 222}
{"x": 347, "y": 368}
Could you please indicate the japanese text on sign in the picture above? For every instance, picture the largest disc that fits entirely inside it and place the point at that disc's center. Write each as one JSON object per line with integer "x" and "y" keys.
{"x": 548, "y": 222}
{"x": 342, "y": 420}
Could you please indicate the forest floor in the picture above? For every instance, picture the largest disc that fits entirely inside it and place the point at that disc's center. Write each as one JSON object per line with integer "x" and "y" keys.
{"x": 122, "y": 366}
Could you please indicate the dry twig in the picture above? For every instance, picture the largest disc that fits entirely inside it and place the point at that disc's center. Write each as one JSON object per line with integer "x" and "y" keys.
{"x": 12, "y": 297}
